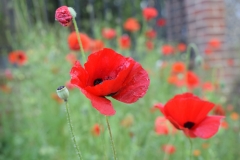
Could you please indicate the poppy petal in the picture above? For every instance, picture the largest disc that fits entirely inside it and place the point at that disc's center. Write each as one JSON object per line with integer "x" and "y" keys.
{"x": 208, "y": 127}
{"x": 102, "y": 104}
{"x": 135, "y": 86}
{"x": 78, "y": 75}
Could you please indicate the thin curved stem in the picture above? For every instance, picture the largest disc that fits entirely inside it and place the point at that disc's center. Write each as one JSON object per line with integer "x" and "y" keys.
{"x": 71, "y": 130}
{"x": 79, "y": 39}
{"x": 110, "y": 133}
{"x": 191, "y": 146}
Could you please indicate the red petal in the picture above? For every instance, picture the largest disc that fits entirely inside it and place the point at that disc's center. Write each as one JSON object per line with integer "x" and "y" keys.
{"x": 208, "y": 127}
{"x": 78, "y": 75}
{"x": 103, "y": 105}
{"x": 111, "y": 86}
{"x": 187, "y": 108}
{"x": 135, "y": 86}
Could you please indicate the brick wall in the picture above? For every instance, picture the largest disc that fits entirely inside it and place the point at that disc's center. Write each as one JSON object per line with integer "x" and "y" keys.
{"x": 205, "y": 20}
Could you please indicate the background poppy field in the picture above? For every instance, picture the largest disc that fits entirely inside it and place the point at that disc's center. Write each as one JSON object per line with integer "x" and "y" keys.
{"x": 33, "y": 122}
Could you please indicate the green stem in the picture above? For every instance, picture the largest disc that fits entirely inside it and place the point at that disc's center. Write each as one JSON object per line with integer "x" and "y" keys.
{"x": 79, "y": 39}
{"x": 110, "y": 133}
{"x": 191, "y": 146}
{"x": 71, "y": 130}
{"x": 195, "y": 48}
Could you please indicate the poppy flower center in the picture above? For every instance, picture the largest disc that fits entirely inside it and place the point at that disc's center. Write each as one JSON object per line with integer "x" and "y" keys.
{"x": 188, "y": 125}
{"x": 97, "y": 81}
{"x": 20, "y": 57}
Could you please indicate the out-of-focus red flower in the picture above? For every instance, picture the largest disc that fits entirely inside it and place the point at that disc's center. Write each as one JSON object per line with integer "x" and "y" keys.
{"x": 125, "y": 42}
{"x": 178, "y": 67}
{"x": 167, "y": 49}
{"x": 5, "y": 88}
{"x": 161, "y": 22}
{"x": 131, "y": 25}
{"x": 149, "y": 13}
{"x": 96, "y": 129}
{"x": 208, "y": 86}
{"x": 181, "y": 47}
{"x": 107, "y": 73}
{"x": 63, "y": 16}
{"x": 218, "y": 110}
{"x": 234, "y": 116}
{"x": 196, "y": 152}
{"x": 188, "y": 113}
{"x": 214, "y": 43}
{"x": 192, "y": 80}
{"x": 151, "y": 33}
{"x": 127, "y": 121}
{"x": 149, "y": 45}
{"x": 224, "y": 124}
{"x": 161, "y": 127}
{"x": 230, "y": 61}
{"x": 176, "y": 79}
{"x": 169, "y": 148}
{"x": 69, "y": 85}
{"x": 97, "y": 45}
{"x": 108, "y": 33}
{"x": 17, "y": 57}
{"x": 208, "y": 51}
{"x": 71, "y": 58}
{"x": 73, "y": 41}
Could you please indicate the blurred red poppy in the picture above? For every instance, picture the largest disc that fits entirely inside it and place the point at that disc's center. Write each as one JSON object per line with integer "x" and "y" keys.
{"x": 181, "y": 47}
{"x": 178, "y": 67}
{"x": 218, "y": 110}
{"x": 131, "y": 25}
{"x": 8, "y": 74}
{"x": 96, "y": 45}
{"x": 73, "y": 41}
{"x": 149, "y": 13}
{"x": 214, "y": 43}
{"x": 162, "y": 126}
{"x": 17, "y": 57}
{"x": 161, "y": 22}
{"x": 188, "y": 113}
{"x": 208, "y": 51}
{"x": 167, "y": 49}
{"x": 125, "y": 42}
{"x": 151, "y": 34}
{"x": 149, "y": 45}
{"x": 63, "y": 16}
{"x": 192, "y": 80}
{"x": 96, "y": 129}
{"x": 207, "y": 86}
{"x": 108, "y": 33}
{"x": 107, "y": 73}
{"x": 169, "y": 148}
{"x": 71, "y": 57}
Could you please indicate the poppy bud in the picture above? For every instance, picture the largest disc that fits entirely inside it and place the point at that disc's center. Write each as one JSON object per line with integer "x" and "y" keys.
{"x": 64, "y": 16}
{"x": 199, "y": 60}
{"x": 63, "y": 93}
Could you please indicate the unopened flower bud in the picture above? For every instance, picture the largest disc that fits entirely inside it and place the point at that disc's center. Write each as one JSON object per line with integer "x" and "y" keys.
{"x": 63, "y": 16}
{"x": 199, "y": 60}
{"x": 63, "y": 93}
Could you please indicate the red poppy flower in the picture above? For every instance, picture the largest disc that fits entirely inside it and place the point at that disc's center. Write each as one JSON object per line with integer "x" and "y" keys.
{"x": 208, "y": 51}
{"x": 63, "y": 16}
{"x": 131, "y": 25}
{"x": 161, "y": 127}
{"x": 71, "y": 57}
{"x": 151, "y": 34}
{"x": 17, "y": 57}
{"x": 107, "y": 73}
{"x": 125, "y": 42}
{"x": 73, "y": 41}
{"x": 169, "y": 149}
{"x": 218, "y": 110}
{"x": 97, "y": 45}
{"x": 167, "y": 49}
{"x": 149, "y": 13}
{"x": 181, "y": 47}
{"x": 207, "y": 86}
{"x": 178, "y": 67}
{"x": 161, "y": 22}
{"x": 214, "y": 43}
{"x": 96, "y": 129}
{"x": 108, "y": 33}
{"x": 149, "y": 45}
{"x": 176, "y": 79}
{"x": 189, "y": 113}
{"x": 192, "y": 80}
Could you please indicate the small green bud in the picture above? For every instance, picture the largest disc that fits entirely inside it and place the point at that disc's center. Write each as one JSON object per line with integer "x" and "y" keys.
{"x": 62, "y": 92}
{"x": 72, "y": 12}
